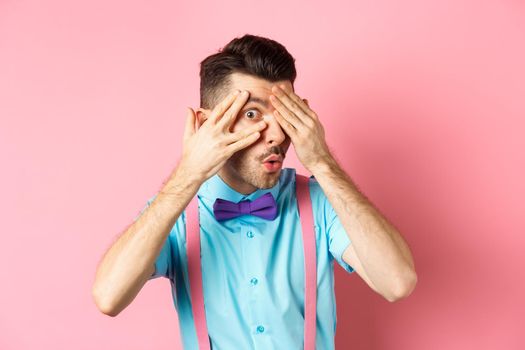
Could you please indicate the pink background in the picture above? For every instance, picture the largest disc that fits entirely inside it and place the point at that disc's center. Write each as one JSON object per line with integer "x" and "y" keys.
{"x": 423, "y": 103}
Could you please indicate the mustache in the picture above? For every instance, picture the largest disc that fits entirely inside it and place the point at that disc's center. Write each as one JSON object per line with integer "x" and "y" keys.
{"x": 277, "y": 150}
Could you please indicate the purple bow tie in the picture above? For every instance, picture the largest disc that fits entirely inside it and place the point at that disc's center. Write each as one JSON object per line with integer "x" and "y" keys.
{"x": 264, "y": 207}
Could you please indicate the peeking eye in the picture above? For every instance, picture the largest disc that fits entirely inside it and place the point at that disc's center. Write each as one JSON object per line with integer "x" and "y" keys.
{"x": 251, "y": 113}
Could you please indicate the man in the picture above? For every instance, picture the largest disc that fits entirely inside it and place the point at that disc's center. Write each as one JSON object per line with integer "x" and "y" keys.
{"x": 253, "y": 267}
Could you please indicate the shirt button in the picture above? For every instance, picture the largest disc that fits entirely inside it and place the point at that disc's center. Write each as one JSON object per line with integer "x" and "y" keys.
{"x": 250, "y": 234}
{"x": 254, "y": 281}
{"x": 260, "y": 329}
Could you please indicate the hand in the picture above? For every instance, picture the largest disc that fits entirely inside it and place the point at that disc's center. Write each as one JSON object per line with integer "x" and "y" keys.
{"x": 207, "y": 146}
{"x": 302, "y": 125}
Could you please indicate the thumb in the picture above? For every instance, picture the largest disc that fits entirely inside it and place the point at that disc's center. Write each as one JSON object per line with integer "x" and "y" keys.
{"x": 189, "y": 129}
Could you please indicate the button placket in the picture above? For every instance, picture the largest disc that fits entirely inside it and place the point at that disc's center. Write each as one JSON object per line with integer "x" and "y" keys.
{"x": 253, "y": 278}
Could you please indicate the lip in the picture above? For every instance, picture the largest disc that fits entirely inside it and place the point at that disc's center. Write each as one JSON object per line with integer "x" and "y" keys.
{"x": 273, "y": 157}
{"x": 272, "y": 167}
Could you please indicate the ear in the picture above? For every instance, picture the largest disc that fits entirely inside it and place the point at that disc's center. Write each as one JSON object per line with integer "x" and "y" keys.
{"x": 201, "y": 115}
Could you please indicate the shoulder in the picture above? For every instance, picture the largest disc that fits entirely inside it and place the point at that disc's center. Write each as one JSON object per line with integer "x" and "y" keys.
{"x": 287, "y": 177}
{"x": 288, "y": 181}
{"x": 316, "y": 193}
{"x": 320, "y": 205}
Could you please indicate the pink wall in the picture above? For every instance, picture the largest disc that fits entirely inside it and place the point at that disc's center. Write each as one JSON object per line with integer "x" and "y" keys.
{"x": 423, "y": 103}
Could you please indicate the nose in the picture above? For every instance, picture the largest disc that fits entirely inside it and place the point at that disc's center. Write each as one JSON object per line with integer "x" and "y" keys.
{"x": 273, "y": 133}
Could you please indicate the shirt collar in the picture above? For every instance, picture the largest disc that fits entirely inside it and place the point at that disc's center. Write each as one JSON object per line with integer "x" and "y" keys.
{"x": 215, "y": 187}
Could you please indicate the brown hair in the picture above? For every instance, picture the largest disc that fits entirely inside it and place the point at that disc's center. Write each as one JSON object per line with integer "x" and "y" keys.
{"x": 250, "y": 54}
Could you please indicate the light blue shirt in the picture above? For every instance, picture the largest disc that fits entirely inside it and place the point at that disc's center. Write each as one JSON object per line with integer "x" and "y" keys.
{"x": 253, "y": 270}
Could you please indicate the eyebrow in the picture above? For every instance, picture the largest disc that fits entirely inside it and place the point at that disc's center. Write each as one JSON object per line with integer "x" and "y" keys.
{"x": 259, "y": 101}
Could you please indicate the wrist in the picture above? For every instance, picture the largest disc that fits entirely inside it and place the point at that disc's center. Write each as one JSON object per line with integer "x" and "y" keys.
{"x": 182, "y": 178}
{"x": 324, "y": 166}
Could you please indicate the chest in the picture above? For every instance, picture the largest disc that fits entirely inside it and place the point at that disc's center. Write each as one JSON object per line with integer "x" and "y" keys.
{"x": 251, "y": 262}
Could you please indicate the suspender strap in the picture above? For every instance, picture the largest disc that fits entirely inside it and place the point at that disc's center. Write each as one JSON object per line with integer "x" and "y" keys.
{"x": 310, "y": 260}
{"x": 193, "y": 251}
{"x": 310, "y": 266}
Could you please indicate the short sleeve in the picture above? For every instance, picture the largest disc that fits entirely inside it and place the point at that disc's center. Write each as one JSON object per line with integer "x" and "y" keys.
{"x": 338, "y": 239}
{"x": 162, "y": 264}
{"x": 163, "y": 261}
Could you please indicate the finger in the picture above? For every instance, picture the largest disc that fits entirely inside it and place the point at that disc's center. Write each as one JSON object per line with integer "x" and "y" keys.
{"x": 302, "y": 104}
{"x": 220, "y": 108}
{"x": 288, "y": 128}
{"x": 290, "y": 104}
{"x": 231, "y": 114}
{"x": 189, "y": 128}
{"x": 286, "y": 113}
{"x": 238, "y": 135}
{"x": 242, "y": 143}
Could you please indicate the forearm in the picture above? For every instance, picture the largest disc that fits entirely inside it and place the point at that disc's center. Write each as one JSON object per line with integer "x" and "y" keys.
{"x": 383, "y": 253}
{"x": 127, "y": 265}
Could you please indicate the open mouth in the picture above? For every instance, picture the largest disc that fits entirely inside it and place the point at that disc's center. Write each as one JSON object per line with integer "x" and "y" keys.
{"x": 272, "y": 165}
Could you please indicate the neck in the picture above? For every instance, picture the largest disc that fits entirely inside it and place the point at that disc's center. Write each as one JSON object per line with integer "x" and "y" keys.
{"x": 235, "y": 182}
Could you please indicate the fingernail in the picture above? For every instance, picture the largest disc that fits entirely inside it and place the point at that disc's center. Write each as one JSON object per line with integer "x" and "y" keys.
{"x": 236, "y": 92}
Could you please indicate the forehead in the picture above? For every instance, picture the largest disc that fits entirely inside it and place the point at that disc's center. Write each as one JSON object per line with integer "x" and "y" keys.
{"x": 257, "y": 87}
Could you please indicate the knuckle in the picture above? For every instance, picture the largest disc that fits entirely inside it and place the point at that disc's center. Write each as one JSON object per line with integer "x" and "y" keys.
{"x": 220, "y": 144}
{"x": 308, "y": 122}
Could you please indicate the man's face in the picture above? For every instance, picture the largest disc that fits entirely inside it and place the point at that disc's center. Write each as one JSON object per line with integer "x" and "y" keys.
{"x": 245, "y": 171}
